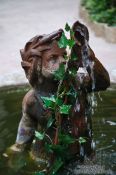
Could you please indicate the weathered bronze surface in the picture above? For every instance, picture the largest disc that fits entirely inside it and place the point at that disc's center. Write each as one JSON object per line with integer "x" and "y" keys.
{"x": 41, "y": 57}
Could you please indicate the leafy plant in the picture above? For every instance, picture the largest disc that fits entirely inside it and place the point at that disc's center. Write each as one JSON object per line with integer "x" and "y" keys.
{"x": 61, "y": 106}
{"x": 82, "y": 140}
{"x": 64, "y": 109}
{"x": 39, "y": 135}
{"x": 101, "y": 11}
{"x": 39, "y": 173}
{"x": 56, "y": 166}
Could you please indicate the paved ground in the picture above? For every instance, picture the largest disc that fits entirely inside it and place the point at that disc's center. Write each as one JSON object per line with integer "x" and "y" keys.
{"x": 21, "y": 20}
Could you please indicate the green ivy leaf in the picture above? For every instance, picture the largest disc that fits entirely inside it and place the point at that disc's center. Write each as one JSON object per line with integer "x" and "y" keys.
{"x": 59, "y": 74}
{"x": 67, "y": 27}
{"x": 71, "y": 43}
{"x": 56, "y": 166}
{"x": 66, "y": 139}
{"x": 63, "y": 42}
{"x": 39, "y": 173}
{"x": 39, "y": 135}
{"x": 73, "y": 72}
{"x": 65, "y": 57}
{"x": 58, "y": 149}
{"x": 65, "y": 109}
{"x": 74, "y": 56}
{"x": 49, "y": 102}
{"x": 81, "y": 140}
{"x": 71, "y": 33}
{"x": 72, "y": 93}
{"x": 59, "y": 101}
{"x": 50, "y": 122}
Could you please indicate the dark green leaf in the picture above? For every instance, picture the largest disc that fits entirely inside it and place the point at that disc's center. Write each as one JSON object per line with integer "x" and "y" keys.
{"x": 59, "y": 74}
{"x": 66, "y": 139}
{"x": 65, "y": 57}
{"x": 39, "y": 135}
{"x": 71, "y": 33}
{"x": 81, "y": 140}
{"x": 74, "y": 56}
{"x": 49, "y": 101}
{"x": 48, "y": 148}
{"x": 73, "y": 72}
{"x": 56, "y": 166}
{"x": 64, "y": 109}
{"x": 71, "y": 43}
{"x": 39, "y": 173}
{"x": 59, "y": 101}
{"x": 63, "y": 42}
{"x": 50, "y": 122}
{"x": 72, "y": 93}
{"x": 58, "y": 149}
{"x": 67, "y": 27}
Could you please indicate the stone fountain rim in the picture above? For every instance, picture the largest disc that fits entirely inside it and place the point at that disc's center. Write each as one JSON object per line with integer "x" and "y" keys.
{"x": 26, "y": 85}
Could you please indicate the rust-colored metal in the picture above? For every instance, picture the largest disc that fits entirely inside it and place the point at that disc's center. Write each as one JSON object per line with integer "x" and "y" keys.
{"x": 36, "y": 55}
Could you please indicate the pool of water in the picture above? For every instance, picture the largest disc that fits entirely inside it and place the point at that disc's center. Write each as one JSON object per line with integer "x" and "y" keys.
{"x": 104, "y": 130}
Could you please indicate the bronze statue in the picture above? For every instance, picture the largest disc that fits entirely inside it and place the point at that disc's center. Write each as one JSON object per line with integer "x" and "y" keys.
{"x": 41, "y": 57}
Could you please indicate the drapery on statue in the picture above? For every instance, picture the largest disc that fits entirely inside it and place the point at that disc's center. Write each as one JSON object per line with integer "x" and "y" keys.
{"x": 41, "y": 57}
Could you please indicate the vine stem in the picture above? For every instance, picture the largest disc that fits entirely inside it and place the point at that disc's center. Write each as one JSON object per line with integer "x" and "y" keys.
{"x": 66, "y": 67}
{"x": 58, "y": 116}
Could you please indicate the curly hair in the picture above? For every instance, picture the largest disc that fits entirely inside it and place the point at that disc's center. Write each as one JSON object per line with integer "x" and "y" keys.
{"x": 33, "y": 49}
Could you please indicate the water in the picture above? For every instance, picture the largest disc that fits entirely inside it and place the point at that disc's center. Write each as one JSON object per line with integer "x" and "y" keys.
{"x": 104, "y": 127}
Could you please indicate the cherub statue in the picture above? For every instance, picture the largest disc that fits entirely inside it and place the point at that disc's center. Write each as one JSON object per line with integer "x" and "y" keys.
{"x": 41, "y": 57}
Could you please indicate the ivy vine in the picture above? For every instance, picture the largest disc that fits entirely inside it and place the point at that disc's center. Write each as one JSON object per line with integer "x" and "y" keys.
{"x": 60, "y": 106}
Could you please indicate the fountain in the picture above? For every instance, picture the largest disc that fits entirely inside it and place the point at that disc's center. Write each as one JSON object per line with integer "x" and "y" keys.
{"x": 56, "y": 113}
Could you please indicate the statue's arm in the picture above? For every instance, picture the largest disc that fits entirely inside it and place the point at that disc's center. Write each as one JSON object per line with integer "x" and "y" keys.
{"x": 27, "y": 125}
{"x": 101, "y": 76}
{"x": 25, "y": 130}
{"x": 98, "y": 75}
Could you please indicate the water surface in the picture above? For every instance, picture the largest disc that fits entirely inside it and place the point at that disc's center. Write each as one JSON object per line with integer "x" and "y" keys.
{"x": 104, "y": 129}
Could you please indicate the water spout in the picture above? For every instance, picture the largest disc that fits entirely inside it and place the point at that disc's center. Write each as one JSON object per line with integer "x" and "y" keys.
{"x": 77, "y": 106}
{"x": 82, "y": 151}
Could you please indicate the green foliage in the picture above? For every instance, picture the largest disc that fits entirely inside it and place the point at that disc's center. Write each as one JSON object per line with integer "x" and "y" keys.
{"x": 39, "y": 135}
{"x": 60, "y": 106}
{"x": 65, "y": 109}
{"x": 50, "y": 122}
{"x": 56, "y": 166}
{"x": 66, "y": 139}
{"x": 102, "y": 11}
{"x": 67, "y": 27}
{"x": 39, "y": 173}
{"x": 57, "y": 149}
{"x": 73, "y": 72}
{"x": 63, "y": 42}
{"x": 72, "y": 93}
{"x": 73, "y": 56}
{"x": 49, "y": 102}
{"x": 52, "y": 102}
{"x": 82, "y": 140}
{"x": 59, "y": 74}
{"x": 71, "y": 43}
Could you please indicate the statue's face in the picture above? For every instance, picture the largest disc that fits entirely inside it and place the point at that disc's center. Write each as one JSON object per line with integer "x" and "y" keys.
{"x": 47, "y": 60}
{"x": 51, "y": 60}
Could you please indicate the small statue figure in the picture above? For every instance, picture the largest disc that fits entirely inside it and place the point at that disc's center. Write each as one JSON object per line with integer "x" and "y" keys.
{"x": 41, "y": 57}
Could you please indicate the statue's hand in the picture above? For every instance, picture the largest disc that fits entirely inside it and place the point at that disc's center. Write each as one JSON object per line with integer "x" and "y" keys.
{"x": 83, "y": 78}
{"x": 16, "y": 148}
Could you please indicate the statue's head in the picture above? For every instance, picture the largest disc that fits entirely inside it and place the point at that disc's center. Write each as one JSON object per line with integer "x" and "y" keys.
{"x": 41, "y": 57}
{"x": 81, "y": 33}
